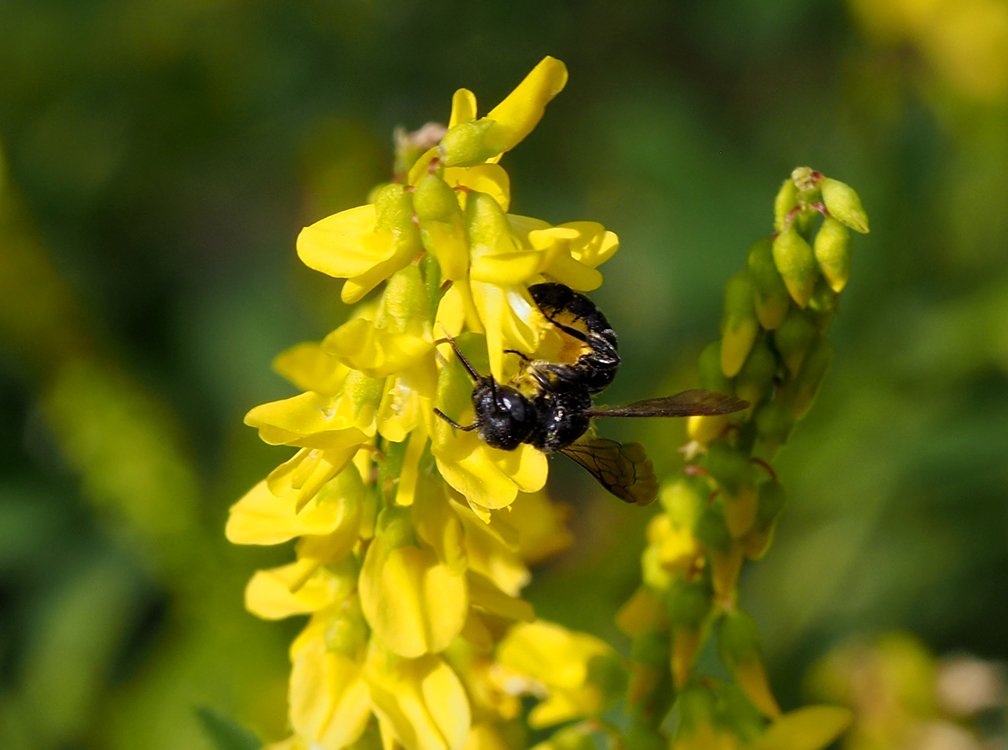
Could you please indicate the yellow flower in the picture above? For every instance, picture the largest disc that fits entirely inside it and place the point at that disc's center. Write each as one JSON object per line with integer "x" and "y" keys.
{"x": 412, "y": 536}
{"x": 576, "y": 675}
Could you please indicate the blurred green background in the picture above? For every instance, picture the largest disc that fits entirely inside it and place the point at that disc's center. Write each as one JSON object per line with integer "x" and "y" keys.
{"x": 161, "y": 158}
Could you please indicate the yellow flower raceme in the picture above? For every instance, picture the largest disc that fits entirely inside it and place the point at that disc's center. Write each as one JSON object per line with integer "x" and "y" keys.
{"x": 409, "y": 560}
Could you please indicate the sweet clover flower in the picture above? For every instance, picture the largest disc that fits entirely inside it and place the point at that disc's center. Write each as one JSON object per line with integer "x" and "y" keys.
{"x": 412, "y": 537}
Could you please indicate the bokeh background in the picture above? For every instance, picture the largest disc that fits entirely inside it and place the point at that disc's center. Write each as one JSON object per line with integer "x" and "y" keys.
{"x": 161, "y": 157}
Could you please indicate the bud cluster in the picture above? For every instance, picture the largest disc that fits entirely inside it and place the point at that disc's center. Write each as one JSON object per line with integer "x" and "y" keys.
{"x": 773, "y": 353}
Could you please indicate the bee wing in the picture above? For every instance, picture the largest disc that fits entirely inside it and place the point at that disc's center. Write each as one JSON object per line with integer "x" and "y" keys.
{"x": 624, "y": 470}
{"x": 685, "y": 404}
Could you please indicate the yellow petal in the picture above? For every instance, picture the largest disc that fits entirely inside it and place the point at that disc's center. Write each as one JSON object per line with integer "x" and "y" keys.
{"x": 308, "y": 419}
{"x": 421, "y": 702}
{"x": 311, "y": 368}
{"x": 510, "y": 318}
{"x": 463, "y": 107}
{"x": 329, "y": 700}
{"x": 487, "y": 476}
{"x": 345, "y": 244}
{"x": 489, "y": 598}
{"x": 414, "y": 604}
{"x": 304, "y": 474}
{"x": 484, "y": 178}
{"x": 295, "y": 589}
{"x": 594, "y": 245}
{"x": 376, "y": 352}
{"x": 518, "y": 114}
{"x": 508, "y": 268}
{"x": 261, "y": 517}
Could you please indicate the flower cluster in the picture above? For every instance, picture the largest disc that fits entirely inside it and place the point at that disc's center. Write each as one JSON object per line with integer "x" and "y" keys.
{"x": 413, "y": 537}
{"x": 774, "y": 354}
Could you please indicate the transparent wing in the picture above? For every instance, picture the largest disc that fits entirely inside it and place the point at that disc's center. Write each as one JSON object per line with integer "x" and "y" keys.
{"x": 624, "y": 470}
{"x": 683, "y": 404}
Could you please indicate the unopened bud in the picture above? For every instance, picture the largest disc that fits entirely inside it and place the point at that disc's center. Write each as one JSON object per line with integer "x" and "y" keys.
{"x": 442, "y": 229}
{"x": 772, "y": 499}
{"x": 739, "y": 325}
{"x": 770, "y": 295}
{"x": 795, "y": 261}
{"x": 709, "y": 370}
{"x": 740, "y": 509}
{"x": 465, "y": 145}
{"x": 394, "y": 208}
{"x": 739, "y": 648}
{"x": 844, "y": 204}
{"x": 688, "y": 604}
{"x": 755, "y": 382}
{"x": 793, "y": 339}
{"x": 832, "y": 248}
{"x": 774, "y": 422}
{"x": 786, "y": 200}
{"x": 729, "y": 466}
{"x": 803, "y": 389}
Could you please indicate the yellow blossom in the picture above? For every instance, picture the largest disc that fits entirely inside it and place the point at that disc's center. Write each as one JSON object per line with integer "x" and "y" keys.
{"x": 575, "y": 674}
{"x": 412, "y": 536}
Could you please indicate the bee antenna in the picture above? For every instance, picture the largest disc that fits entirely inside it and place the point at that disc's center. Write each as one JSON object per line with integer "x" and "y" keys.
{"x": 458, "y": 353}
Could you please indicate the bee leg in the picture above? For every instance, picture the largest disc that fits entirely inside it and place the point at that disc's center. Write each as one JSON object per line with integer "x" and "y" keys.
{"x": 524, "y": 357}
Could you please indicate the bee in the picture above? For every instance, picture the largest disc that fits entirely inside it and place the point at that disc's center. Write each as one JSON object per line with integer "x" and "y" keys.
{"x": 554, "y": 414}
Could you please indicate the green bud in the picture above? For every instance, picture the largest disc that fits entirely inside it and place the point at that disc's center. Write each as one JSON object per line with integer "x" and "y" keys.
{"x": 795, "y": 261}
{"x": 698, "y": 708}
{"x": 442, "y": 227}
{"x": 688, "y": 604}
{"x": 651, "y": 648}
{"x": 786, "y": 200}
{"x": 843, "y": 204}
{"x": 709, "y": 369}
{"x": 465, "y": 144}
{"x": 774, "y": 422}
{"x": 770, "y": 295}
{"x": 793, "y": 339}
{"x": 739, "y": 325}
{"x": 729, "y": 466}
{"x": 801, "y": 392}
{"x": 823, "y": 303}
{"x": 485, "y": 220}
{"x": 806, "y": 180}
{"x": 404, "y": 306}
{"x": 740, "y": 509}
{"x": 772, "y": 499}
{"x": 712, "y": 531}
{"x": 832, "y": 248}
{"x": 738, "y": 639}
{"x": 643, "y": 736}
{"x": 394, "y": 208}
{"x": 434, "y": 200}
{"x": 755, "y": 381}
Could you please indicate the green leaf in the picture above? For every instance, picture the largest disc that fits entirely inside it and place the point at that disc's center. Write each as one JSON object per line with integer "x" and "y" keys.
{"x": 225, "y": 733}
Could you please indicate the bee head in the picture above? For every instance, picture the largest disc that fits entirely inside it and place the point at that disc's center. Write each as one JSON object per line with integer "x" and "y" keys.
{"x": 504, "y": 416}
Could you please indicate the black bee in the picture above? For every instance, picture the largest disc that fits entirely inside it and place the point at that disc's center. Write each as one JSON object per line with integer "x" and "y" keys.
{"x": 553, "y": 408}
